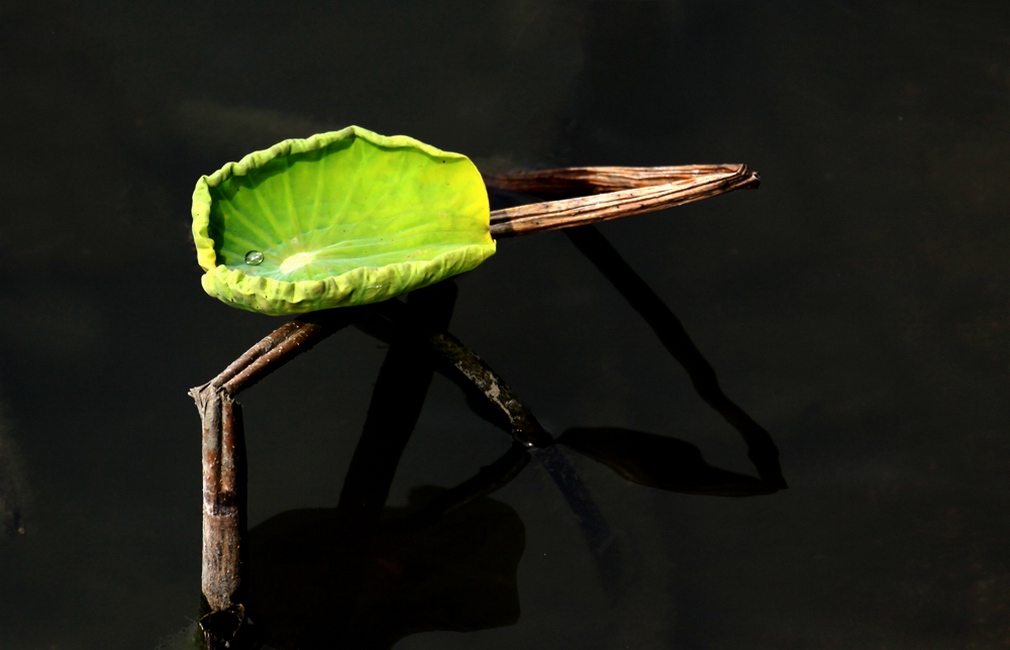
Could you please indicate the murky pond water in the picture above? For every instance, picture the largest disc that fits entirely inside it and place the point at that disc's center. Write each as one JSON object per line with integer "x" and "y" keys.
{"x": 856, "y": 307}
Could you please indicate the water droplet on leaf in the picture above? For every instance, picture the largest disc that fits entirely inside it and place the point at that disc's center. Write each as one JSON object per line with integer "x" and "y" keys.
{"x": 254, "y": 258}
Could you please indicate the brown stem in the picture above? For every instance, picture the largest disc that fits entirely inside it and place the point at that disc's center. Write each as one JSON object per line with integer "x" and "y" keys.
{"x": 616, "y": 192}
{"x": 475, "y": 371}
{"x": 223, "y": 515}
{"x": 224, "y": 467}
{"x": 280, "y": 346}
{"x": 250, "y": 356}
{"x": 221, "y": 508}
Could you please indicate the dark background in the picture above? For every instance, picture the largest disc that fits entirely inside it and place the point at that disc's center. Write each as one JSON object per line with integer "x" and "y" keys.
{"x": 856, "y": 306}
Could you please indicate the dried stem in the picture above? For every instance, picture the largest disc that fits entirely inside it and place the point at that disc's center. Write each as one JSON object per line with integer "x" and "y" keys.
{"x": 525, "y": 428}
{"x": 463, "y": 362}
{"x": 222, "y": 494}
{"x": 224, "y": 466}
{"x": 223, "y": 515}
{"x": 615, "y": 192}
{"x": 280, "y": 346}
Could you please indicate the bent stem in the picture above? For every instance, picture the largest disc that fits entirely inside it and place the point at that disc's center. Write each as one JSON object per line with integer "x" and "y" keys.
{"x": 224, "y": 468}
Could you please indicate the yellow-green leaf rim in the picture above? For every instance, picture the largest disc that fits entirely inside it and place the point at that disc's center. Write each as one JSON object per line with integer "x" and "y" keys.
{"x": 342, "y": 218}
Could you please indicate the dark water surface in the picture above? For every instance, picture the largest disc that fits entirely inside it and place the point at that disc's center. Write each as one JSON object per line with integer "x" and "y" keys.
{"x": 856, "y": 306}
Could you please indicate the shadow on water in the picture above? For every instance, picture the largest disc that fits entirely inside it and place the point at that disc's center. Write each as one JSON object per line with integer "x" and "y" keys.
{"x": 13, "y": 490}
{"x": 366, "y": 575}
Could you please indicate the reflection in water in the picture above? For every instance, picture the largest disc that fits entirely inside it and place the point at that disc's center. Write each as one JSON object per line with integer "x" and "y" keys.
{"x": 362, "y": 575}
{"x": 660, "y": 462}
{"x": 313, "y": 583}
{"x": 761, "y": 448}
{"x": 13, "y": 490}
{"x": 366, "y": 575}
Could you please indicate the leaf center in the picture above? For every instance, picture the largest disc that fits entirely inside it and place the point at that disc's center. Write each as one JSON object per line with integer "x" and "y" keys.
{"x": 297, "y": 261}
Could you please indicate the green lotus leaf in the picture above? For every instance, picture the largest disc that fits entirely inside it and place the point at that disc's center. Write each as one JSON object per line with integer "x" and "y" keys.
{"x": 342, "y": 218}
